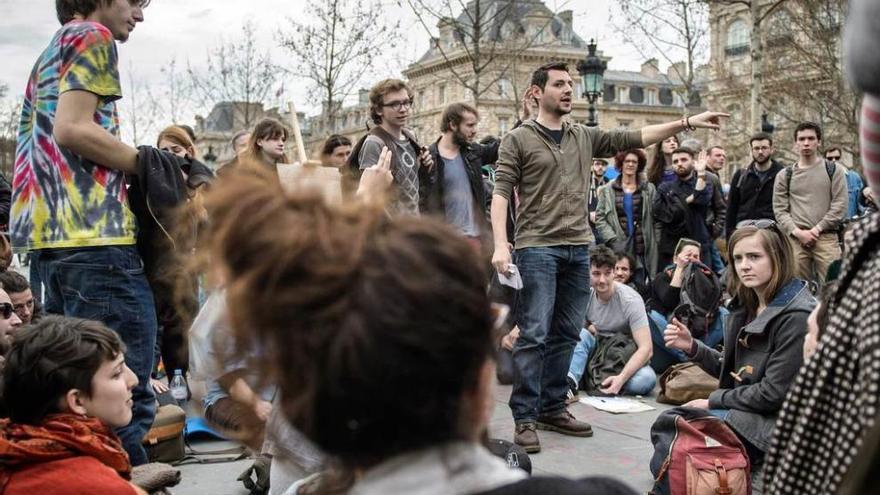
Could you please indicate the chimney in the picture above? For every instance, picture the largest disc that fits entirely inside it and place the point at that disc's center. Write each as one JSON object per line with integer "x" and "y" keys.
{"x": 650, "y": 68}
{"x": 677, "y": 71}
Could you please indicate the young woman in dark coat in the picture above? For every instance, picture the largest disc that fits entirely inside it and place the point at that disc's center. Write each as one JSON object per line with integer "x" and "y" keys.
{"x": 763, "y": 339}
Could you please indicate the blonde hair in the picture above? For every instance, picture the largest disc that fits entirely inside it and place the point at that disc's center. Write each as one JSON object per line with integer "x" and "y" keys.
{"x": 777, "y": 247}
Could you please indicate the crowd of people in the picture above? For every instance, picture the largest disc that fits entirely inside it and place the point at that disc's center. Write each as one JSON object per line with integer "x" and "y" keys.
{"x": 445, "y": 268}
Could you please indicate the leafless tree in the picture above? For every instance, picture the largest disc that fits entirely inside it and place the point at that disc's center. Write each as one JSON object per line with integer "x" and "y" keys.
{"x": 336, "y": 51}
{"x": 139, "y": 109}
{"x": 484, "y": 37}
{"x": 673, "y": 30}
{"x": 237, "y": 70}
{"x": 810, "y": 83}
{"x": 10, "y": 115}
{"x": 175, "y": 92}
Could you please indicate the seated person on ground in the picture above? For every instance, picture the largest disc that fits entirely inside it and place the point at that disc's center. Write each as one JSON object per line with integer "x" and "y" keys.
{"x": 666, "y": 296}
{"x": 233, "y": 402}
{"x": 614, "y": 310}
{"x": 9, "y": 320}
{"x": 396, "y": 392}
{"x": 19, "y": 290}
{"x": 763, "y": 340}
{"x": 66, "y": 387}
{"x": 623, "y": 273}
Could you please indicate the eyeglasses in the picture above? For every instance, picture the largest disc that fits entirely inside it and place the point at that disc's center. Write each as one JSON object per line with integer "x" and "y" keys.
{"x": 399, "y": 104}
{"x": 6, "y": 310}
{"x": 762, "y": 223}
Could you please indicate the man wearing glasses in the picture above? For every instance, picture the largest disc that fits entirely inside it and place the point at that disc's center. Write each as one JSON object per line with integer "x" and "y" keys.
{"x": 9, "y": 321}
{"x": 751, "y": 188}
{"x": 390, "y": 106}
{"x": 19, "y": 290}
{"x": 854, "y": 182}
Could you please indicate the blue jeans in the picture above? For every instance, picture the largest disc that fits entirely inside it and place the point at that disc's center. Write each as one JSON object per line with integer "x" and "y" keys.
{"x": 107, "y": 284}
{"x": 715, "y": 261}
{"x": 641, "y": 383}
{"x": 664, "y": 357}
{"x": 551, "y": 309}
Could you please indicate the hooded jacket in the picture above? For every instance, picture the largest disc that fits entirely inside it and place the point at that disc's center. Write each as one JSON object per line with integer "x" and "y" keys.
{"x": 553, "y": 179}
{"x": 65, "y": 455}
{"x": 760, "y": 362}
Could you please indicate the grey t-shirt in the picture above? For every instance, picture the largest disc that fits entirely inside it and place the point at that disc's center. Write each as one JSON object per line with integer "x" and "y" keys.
{"x": 624, "y": 312}
{"x": 458, "y": 197}
{"x": 405, "y": 171}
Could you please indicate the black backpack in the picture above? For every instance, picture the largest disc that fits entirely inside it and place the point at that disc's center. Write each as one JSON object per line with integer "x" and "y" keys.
{"x": 701, "y": 294}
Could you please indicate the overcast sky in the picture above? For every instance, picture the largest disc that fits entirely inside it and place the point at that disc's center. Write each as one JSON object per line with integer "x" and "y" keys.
{"x": 185, "y": 29}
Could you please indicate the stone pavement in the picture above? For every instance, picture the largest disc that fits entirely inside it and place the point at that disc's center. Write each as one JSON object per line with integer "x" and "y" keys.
{"x": 620, "y": 447}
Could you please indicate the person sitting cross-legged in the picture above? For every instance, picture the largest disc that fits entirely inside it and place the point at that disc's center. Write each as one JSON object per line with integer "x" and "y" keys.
{"x": 65, "y": 387}
{"x": 666, "y": 296}
{"x": 614, "y": 310}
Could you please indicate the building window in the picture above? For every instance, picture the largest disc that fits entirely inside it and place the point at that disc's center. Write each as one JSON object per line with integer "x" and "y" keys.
{"x": 779, "y": 28}
{"x": 623, "y": 95}
{"x": 829, "y": 16}
{"x": 666, "y": 96}
{"x": 503, "y": 125}
{"x": 609, "y": 93}
{"x": 636, "y": 94}
{"x": 504, "y": 88}
{"x": 441, "y": 94}
{"x": 738, "y": 38}
{"x": 624, "y": 124}
{"x": 652, "y": 97}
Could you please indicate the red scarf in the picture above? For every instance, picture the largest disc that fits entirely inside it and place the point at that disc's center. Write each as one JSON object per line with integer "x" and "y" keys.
{"x": 60, "y": 436}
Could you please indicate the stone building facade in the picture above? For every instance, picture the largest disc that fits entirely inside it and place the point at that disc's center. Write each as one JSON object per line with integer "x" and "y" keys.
{"x": 794, "y": 83}
{"x": 631, "y": 99}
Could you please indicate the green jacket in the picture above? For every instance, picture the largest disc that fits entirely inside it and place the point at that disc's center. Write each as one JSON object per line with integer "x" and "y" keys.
{"x": 609, "y": 226}
{"x": 553, "y": 180}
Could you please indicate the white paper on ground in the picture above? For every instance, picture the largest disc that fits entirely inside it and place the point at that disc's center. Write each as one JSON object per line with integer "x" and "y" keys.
{"x": 511, "y": 278}
{"x": 616, "y": 405}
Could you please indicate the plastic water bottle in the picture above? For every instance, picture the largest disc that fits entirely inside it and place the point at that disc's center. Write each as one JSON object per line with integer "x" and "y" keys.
{"x": 178, "y": 388}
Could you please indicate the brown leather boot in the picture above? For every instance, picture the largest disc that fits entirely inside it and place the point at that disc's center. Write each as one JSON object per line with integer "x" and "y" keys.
{"x": 527, "y": 438}
{"x": 563, "y": 422}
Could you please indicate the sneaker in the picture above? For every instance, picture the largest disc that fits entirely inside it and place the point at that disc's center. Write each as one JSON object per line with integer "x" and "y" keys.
{"x": 564, "y": 422}
{"x": 571, "y": 396}
{"x": 527, "y": 438}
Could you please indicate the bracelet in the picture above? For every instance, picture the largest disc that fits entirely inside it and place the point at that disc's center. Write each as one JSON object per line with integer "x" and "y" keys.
{"x": 688, "y": 126}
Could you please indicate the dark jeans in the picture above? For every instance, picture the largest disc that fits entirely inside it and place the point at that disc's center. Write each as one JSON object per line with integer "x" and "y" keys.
{"x": 552, "y": 308}
{"x": 107, "y": 284}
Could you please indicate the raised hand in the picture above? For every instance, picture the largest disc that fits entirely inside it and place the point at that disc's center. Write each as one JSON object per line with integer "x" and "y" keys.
{"x": 376, "y": 179}
{"x": 677, "y": 336}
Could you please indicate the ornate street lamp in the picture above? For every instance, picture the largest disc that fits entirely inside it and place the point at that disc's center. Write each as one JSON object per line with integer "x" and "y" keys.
{"x": 592, "y": 71}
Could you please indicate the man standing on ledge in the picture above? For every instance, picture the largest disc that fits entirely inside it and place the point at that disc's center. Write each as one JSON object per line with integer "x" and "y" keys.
{"x": 549, "y": 161}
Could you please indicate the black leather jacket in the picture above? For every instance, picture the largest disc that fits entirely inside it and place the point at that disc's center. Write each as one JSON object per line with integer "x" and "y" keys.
{"x": 431, "y": 194}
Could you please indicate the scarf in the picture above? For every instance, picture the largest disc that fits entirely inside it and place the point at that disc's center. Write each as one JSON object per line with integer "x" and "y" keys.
{"x": 834, "y": 400}
{"x": 59, "y": 436}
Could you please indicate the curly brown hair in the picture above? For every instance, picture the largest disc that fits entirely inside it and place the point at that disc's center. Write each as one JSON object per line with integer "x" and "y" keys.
{"x": 351, "y": 308}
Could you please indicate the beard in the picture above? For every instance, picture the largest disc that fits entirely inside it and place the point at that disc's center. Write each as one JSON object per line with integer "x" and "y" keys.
{"x": 459, "y": 138}
{"x": 683, "y": 173}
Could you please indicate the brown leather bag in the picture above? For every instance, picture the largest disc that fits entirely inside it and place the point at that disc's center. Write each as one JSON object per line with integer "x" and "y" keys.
{"x": 685, "y": 382}
{"x": 164, "y": 442}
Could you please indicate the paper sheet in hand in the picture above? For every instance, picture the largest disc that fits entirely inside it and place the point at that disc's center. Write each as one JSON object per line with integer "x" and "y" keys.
{"x": 616, "y": 405}
{"x": 511, "y": 278}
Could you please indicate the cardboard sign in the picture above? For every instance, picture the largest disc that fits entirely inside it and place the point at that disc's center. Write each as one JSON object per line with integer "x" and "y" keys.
{"x": 327, "y": 179}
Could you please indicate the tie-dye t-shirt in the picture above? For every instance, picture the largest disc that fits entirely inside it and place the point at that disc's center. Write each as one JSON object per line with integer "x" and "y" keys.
{"x": 59, "y": 198}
